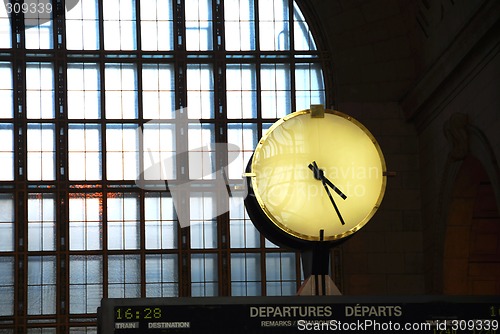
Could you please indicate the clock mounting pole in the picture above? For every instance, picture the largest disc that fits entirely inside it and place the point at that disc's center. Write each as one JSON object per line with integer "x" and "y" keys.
{"x": 316, "y": 267}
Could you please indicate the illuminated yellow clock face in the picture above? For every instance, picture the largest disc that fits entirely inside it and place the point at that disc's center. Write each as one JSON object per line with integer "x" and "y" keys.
{"x": 310, "y": 174}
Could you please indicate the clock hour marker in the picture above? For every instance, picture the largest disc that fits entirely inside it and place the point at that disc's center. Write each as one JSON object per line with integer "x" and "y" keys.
{"x": 317, "y": 111}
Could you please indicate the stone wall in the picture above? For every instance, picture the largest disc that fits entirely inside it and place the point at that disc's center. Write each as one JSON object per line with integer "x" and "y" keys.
{"x": 385, "y": 257}
{"x": 403, "y": 69}
{"x": 462, "y": 84}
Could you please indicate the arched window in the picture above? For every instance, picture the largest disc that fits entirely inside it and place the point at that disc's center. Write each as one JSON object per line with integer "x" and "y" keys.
{"x": 117, "y": 179}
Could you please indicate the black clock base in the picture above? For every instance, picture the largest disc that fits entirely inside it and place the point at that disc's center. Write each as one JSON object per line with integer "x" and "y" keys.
{"x": 316, "y": 268}
{"x": 319, "y": 285}
{"x": 316, "y": 261}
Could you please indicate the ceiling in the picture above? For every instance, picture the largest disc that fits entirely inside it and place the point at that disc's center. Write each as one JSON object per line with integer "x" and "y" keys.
{"x": 381, "y": 48}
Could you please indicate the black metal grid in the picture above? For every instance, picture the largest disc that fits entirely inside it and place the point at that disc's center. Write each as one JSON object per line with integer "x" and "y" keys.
{"x": 62, "y": 188}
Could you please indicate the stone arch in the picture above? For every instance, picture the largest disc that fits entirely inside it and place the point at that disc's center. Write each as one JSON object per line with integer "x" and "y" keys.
{"x": 470, "y": 173}
{"x": 471, "y": 259}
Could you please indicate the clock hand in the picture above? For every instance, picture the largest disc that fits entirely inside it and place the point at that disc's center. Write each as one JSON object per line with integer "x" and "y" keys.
{"x": 320, "y": 175}
{"x": 333, "y": 202}
{"x": 337, "y": 190}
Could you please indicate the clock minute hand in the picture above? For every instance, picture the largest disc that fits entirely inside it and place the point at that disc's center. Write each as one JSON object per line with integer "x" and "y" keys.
{"x": 333, "y": 202}
{"x": 320, "y": 175}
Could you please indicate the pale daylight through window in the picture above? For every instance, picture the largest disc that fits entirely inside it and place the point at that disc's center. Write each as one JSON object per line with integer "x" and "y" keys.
{"x": 111, "y": 170}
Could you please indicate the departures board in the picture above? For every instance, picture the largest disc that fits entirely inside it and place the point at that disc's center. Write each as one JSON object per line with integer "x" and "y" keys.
{"x": 301, "y": 314}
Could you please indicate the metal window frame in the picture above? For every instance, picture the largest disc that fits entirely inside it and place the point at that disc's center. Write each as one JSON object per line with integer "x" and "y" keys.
{"x": 62, "y": 187}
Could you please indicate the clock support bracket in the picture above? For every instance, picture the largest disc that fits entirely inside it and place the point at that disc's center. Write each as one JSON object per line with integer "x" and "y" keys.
{"x": 316, "y": 267}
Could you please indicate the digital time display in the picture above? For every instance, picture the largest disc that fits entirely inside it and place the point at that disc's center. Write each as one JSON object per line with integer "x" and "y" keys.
{"x": 129, "y": 318}
{"x": 299, "y": 314}
{"x": 135, "y": 313}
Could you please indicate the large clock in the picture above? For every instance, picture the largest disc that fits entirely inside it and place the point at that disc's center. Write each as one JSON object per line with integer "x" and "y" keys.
{"x": 316, "y": 176}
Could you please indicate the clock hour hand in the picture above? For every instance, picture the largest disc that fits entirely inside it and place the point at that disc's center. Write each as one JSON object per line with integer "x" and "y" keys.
{"x": 337, "y": 190}
{"x": 320, "y": 175}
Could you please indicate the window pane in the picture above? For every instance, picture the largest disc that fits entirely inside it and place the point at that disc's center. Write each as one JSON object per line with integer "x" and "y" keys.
{"x": 6, "y": 152}
{"x": 5, "y": 29}
{"x": 121, "y": 91}
{"x": 85, "y": 283}
{"x": 85, "y": 221}
{"x": 84, "y": 151}
{"x": 162, "y": 275}
{"x": 281, "y": 282}
{"x": 39, "y": 29}
{"x": 84, "y": 98}
{"x": 5, "y": 86}
{"x": 242, "y": 91}
{"x": 200, "y": 91}
{"x": 198, "y": 25}
{"x": 39, "y": 90}
{"x": 160, "y": 223}
{"x": 119, "y": 25}
{"x": 276, "y": 91}
{"x": 6, "y": 283}
{"x": 122, "y": 152}
{"x": 244, "y": 136}
{"x": 83, "y": 330}
{"x": 201, "y": 152}
{"x": 309, "y": 85}
{"x": 245, "y": 275}
{"x": 41, "y": 285}
{"x": 203, "y": 224}
{"x": 204, "y": 275}
{"x": 82, "y": 26}
{"x": 243, "y": 233}
{"x": 124, "y": 276}
{"x": 274, "y": 22}
{"x": 158, "y": 91}
{"x": 239, "y": 24}
{"x": 156, "y": 25}
{"x": 41, "y": 330}
{"x": 158, "y": 140}
{"x": 6, "y": 222}
{"x": 41, "y": 222}
{"x": 303, "y": 39}
{"x": 41, "y": 151}
{"x": 123, "y": 221}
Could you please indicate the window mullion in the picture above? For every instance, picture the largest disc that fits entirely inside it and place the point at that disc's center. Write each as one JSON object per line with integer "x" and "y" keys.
{"x": 138, "y": 29}
{"x": 20, "y": 170}
{"x": 179, "y": 27}
{"x": 181, "y": 144}
{"x": 257, "y": 27}
{"x": 291, "y": 39}
{"x": 59, "y": 21}
{"x": 21, "y": 272}
{"x": 100, "y": 8}
{"x": 218, "y": 26}
{"x": 62, "y": 169}
{"x": 291, "y": 26}
{"x": 18, "y": 31}
{"x": 61, "y": 116}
